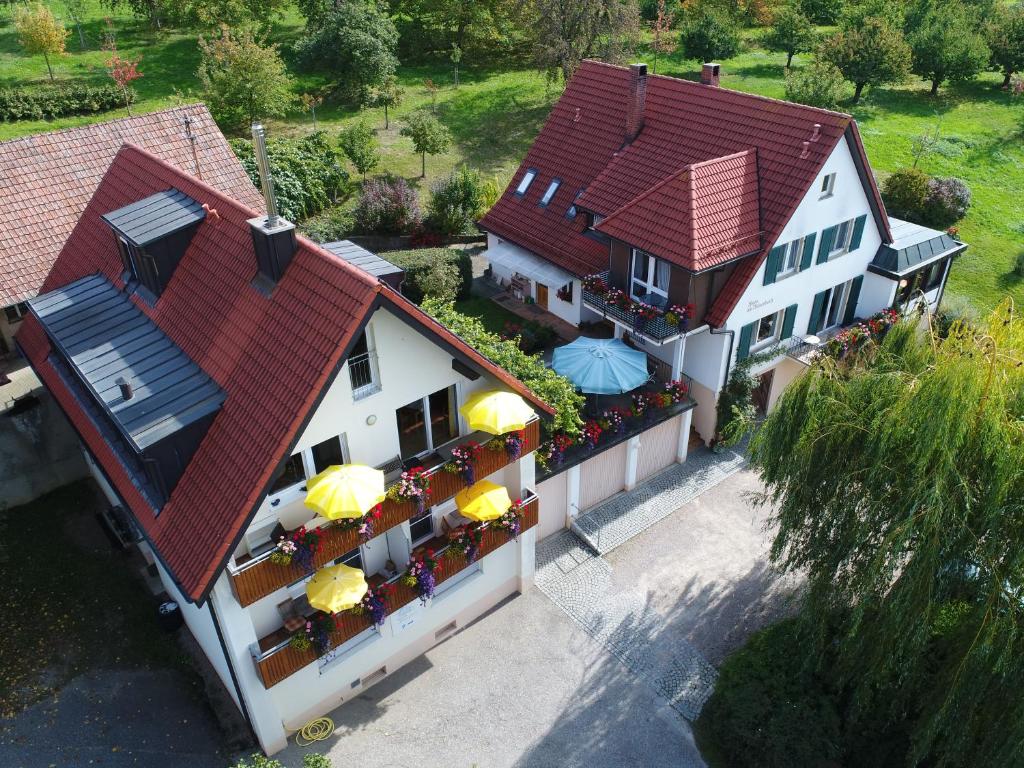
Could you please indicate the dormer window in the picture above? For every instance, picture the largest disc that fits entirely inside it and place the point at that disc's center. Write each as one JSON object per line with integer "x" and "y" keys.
{"x": 550, "y": 191}
{"x": 526, "y": 181}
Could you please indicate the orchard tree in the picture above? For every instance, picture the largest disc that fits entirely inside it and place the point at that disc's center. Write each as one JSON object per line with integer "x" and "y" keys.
{"x": 40, "y": 33}
{"x": 76, "y": 11}
{"x": 947, "y": 46}
{"x": 790, "y": 33}
{"x": 661, "y": 27}
{"x": 359, "y": 144}
{"x": 355, "y": 44}
{"x": 243, "y": 80}
{"x": 124, "y": 72}
{"x": 568, "y": 32}
{"x": 897, "y": 482}
{"x": 870, "y": 54}
{"x": 428, "y": 136}
{"x": 821, "y": 11}
{"x": 820, "y": 84}
{"x": 387, "y": 94}
{"x": 709, "y": 34}
{"x": 1005, "y": 37}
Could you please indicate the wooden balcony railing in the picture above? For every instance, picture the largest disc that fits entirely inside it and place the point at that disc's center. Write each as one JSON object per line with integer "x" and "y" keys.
{"x": 278, "y": 659}
{"x": 259, "y": 577}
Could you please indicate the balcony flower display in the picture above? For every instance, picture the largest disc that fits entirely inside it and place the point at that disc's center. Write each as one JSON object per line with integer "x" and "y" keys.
{"x": 466, "y": 540}
{"x": 679, "y": 317}
{"x": 318, "y": 631}
{"x": 677, "y": 390}
{"x": 642, "y": 314}
{"x": 307, "y": 544}
{"x": 463, "y": 457}
{"x": 857, "y": 335}
{"x": 283, "y": 552}
{"x": 595, "y": 284}
{"x": 419, "y": 575}
{"x": 591, "y": 434}
{"x": 641, "y": 404}
{"x": 512, "y": 521}
{"x": 374, "y": 604}
{"x": 511, "y": 443}
{"x": 363, "y": 525}
{"x": 614, "y": 420}
{"x": 413, "y": 485}
{"x": 560, "y": 443}
{"x": 618, "y": 298}
{"x": 300, "y": 641}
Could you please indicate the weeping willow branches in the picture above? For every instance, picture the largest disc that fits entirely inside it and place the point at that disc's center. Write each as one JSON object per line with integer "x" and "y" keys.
{"x": 898, "y": 484}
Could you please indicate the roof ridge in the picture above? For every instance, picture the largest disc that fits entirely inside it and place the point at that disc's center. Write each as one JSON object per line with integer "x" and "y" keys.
{"x": 103, "y": 124}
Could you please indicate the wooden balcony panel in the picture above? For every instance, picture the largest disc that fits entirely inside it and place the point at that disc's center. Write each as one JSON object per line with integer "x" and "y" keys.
{"x": 287, "y": 661}
{"x": 264, "y": 577}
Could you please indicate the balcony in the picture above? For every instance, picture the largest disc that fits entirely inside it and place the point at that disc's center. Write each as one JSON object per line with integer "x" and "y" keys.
{"x": 657, "y": 329}
{"x": 258, "y": 577}
{"x": 277, "y": 659}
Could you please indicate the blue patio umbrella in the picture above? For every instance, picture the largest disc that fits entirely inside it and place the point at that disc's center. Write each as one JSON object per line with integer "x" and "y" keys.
{"x": 601, "y": 366}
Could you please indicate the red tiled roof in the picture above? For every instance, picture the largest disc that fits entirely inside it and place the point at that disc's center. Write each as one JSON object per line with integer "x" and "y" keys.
{"x": 50, "y": 177}
{"x": 273, "y": 356}
{"x": 702, "y": 216}
{"x": 685, "y": 124}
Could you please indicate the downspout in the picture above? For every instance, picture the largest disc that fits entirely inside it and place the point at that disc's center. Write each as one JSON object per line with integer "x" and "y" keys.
{"x": 231, "y": 669}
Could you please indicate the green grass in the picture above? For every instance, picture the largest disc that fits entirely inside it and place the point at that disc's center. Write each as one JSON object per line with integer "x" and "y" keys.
{"x": 495, "y": 115}
{"x": 490, "y": 313}
{"x": 69, "y": 602}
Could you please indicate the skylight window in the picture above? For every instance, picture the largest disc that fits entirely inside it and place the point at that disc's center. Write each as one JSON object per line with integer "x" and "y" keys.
{"x": 524, "y": 185}
{"x": 550, "y": 191}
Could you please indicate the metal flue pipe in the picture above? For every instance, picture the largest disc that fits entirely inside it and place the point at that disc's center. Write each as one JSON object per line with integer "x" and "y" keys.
{"x": 259, "y": 146}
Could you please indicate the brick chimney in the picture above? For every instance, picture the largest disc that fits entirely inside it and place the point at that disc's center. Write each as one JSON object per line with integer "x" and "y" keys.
{"x": 637, "y": 99}
{"x": 709, "y": 74}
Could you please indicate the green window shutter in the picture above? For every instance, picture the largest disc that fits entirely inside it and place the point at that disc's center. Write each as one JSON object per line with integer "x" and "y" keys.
{"x": 808, "y": 254}
{"x": 851, "y": 301}
{"x": 788, "y": 321}
{"x": 771, "y": 265}
{"x": 858, "y": 231}
{"x": 827, "y": 238}
{"x": 743, "y": 350}
{"x": 814, "y": 324}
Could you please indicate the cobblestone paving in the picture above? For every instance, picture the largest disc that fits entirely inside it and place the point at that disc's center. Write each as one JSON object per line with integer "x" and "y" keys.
{"x": 624, "y": 516}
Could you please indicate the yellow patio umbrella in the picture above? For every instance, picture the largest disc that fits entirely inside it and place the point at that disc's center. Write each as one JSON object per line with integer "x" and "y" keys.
{"x": 496, "y": 412}
{"x": 483, "y": 500}
{"x": 336, "y": 588}
{"x": 345, "y": 490}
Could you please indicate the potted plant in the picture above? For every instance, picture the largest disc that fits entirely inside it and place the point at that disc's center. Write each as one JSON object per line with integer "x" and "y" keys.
{"x": 413, "y": 485}
{"x": 364, "y": 525}
{"x": 512, "y": 520}
{"x": 283, "y": 552}
{"x": 419, "y": 575}
{"x": 374, "y": 604}
{"x": 465, "y": 540}
{"x": 463, "y": 458}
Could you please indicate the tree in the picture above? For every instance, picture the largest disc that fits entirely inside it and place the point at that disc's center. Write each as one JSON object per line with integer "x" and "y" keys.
{"x": 897, "y": 481}
{"x": 456, "y": 57}
{"x": 358, "y": 143}
{"x": 311, "y": 101}
{"x": 568, "y": 32}
{"x": 154, "y": 11}
{"x": 904, "y": 192}
{"x": 428, "y": 136}
{"x": 387, "y": 94}
{"x": 790, "y": 33}
{"x": 243, "y": 80}
{"x": 355, "y": 44}
{"x": 818, "y": 85}
{"x": 76, "y": 11}
{"x": 123, "y": 72}
{"x": 709, "y": 35}
{"x": 821, "y": 11}
{"x": 871, "y": 54}
{"x": 1005, "y": 37}
{"x": 947, "y": 47}
{"x": 40, "y": 33}
{"x": 663, "y": 41}
{"x": 456, "y": 202}
{"x": 480, "y": 29}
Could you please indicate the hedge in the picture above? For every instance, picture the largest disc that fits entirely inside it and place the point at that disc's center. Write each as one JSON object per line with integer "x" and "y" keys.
{"x": 48, "y": 102}
{"x": 557, "y": 391}
{"x": 418, "y": 262}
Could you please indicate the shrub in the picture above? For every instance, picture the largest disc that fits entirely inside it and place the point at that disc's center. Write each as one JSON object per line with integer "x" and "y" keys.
{"x": 557, "y": 391}
{"x": 456, "y": 202}
{"x": 946, "y": 202}
{"x": 49, "y": 102}
{"x": 307, "y": 175}
{"x": 491, "y": 190}
{"x": 359, "y": 144}
{"x": 387, "y": 206}
{"x": 819, "y": 85}
{"x": 905, "y": 191}
{"x": 313, "y": 760}
{"x": 418, "y": 263}
{"x": 531, "y": 337}
{"x": 821, "y": 11}
{"x": 709, "y": 35}
{"x": 441, "y": 281}
{"x": 333, "y": 224}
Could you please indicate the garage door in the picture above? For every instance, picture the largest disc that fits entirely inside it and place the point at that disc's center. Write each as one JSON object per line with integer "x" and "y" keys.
{"x": 602, "y": 476}
{"x": 657, "y": 448}
{"x": 551, "y": 494}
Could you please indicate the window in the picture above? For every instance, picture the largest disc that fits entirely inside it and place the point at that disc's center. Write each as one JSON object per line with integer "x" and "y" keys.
{"x": 352, "y": 558}
{"x": 835, "y": 305}
{"x": 421, "y": 527}
{"x": 550, "y": 191}
{"x": 565, "y": 293}
{"x": 292, "y": 473}
{"x": 790, "y": 262}
{"x": 427, "y": 423}
{"x": 767, "y": 330}
{"x": 526, "y": 181}
{"x": 650, "y": 279}
{"x": 307, "y": 463}
{"x": 139, "y": 267}
{"x": 828, "y": 185}
{"x": 362, "y": 368}
{"x": 841, "y": 243}
{"x": 926, "y": 279}
{"x": 15, "y": 312}
{"x": 327, "y": 454}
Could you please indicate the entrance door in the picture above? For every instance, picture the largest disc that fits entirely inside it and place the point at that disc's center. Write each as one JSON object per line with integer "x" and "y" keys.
{"x": 542, "y": 296}
{"x": 427, "y": 423}
{"x": 763, "y": 391}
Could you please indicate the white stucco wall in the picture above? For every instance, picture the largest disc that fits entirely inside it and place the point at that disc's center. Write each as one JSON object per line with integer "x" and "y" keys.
{"x": 502, "y": 273}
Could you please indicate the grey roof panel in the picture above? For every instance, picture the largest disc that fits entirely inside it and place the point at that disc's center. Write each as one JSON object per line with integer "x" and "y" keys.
{"x": 362, "y": 258}
{"x": 913, "y": 247}
{"x": 156, "y": 216}
{"x": 105, "y": 337}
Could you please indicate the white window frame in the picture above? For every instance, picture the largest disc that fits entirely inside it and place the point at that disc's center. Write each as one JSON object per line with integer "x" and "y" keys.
{"x": 359, "y": 393}
{"x": 648, "y": 284}
{"x": 426, "y": 419}
{"x": 294, "y": 491}
{"x": 780, "y": 318}
{"x": 843, "y": 294}
{"x": 785, "y": 270}
{"x": 549, "y": 193}
{"x": 429, "y": 513}
{"x": 842, "y": 246}
{"x": 526, "y": 181}
{"x": 828, "y": 185}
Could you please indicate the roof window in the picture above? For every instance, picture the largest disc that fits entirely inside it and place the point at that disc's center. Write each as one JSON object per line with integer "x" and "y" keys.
{"x": 531, "y": 174}
{"x": 550, "y": 191}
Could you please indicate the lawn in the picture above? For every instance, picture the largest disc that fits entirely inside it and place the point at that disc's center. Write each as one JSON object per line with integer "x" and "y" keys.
{"x": 491, "y": 314}
{"x": 494, "y": 116}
